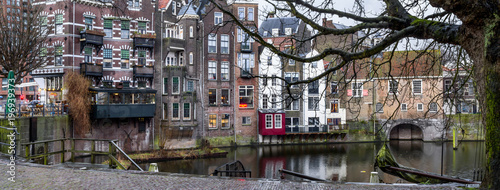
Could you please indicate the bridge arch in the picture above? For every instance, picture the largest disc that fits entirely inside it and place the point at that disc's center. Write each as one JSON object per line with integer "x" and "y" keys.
{"x": 406, "y": 131}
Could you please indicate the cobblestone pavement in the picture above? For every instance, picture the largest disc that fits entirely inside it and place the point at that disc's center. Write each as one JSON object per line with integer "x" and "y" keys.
{"x": 52, "y": 177}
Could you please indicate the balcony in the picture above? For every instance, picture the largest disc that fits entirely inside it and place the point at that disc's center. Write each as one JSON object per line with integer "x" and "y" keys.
{"x": 143, "y": 71}
{"x": 174, "y": 43}
{"x": 144, "y": 40}
{"x": 123, "y": 111}
{"x": 246, "y": 73}
{"x": 122, "y": 103}
{"x": 91, "y": 37}
{"x": 90, "y": 69}
{"x": 246, "y": 47}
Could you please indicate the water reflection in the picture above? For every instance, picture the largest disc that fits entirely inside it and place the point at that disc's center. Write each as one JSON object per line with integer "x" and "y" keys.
{"x": 351, "y": 162}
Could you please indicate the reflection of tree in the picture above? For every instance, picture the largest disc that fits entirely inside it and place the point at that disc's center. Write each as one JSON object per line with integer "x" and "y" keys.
{"x": 473, "y": 26}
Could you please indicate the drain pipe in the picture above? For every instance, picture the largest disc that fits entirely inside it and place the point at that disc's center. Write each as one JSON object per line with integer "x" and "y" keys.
{"x": 234, "y": 87}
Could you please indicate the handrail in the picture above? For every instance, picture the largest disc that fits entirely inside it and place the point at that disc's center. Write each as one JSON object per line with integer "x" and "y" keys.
{"x": 130, "y": 159}
{"x": 301, "y": 175}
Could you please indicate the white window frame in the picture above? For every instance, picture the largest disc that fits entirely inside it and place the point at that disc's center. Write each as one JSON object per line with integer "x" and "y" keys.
{"x": 413, "y": 86}
{"x": 187, "y": 88}
{"x": 178, "y": 111}
{"x": 420, "y": 107}
{"x": 191, "y": 57}
{"x": 246, "y": 88}
{"x": 212, "y": 67}
{"x": 269, "y": 121}
{"x": 218, "y": 19}
{"x": 228, "y": 120}
{"x": 358, "y": 88}
{"x": 250, "y": 14}
{"x": 278, "y": 122}
{"x": 215, "y": 124}
{"x": 241, "y": 12}
{"x": 228, "y": 97}
{"x": 288, "y": 31}
{"x": 224, "y": 69}
{"x": 335, "y": 101}
{"x": 248, "y": 120}
{"x": 212, "y": 42}
{"x": 275, "y": 32}
{"x": 404, "y": 107}
{"x": 314, "y": 104}
{"x": 191, "y": 32}
{"x": 224, "y": 43}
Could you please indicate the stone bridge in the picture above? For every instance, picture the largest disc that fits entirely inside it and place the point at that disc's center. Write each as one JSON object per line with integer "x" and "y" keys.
{"x": 407, "y": 129}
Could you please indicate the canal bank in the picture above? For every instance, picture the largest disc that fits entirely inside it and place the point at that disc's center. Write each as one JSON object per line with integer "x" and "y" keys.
{"x": 51, "y": 177}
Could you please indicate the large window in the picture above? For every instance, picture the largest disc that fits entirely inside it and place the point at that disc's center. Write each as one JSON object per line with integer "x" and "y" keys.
{"x": 218, "y": 18}
{"x": 189, "y": 86}
{"x": 241, "y": 13}
{"x": 212, "y": 121}
{"x": 175, "y": 85}
{"x": 107, "y": 55}
{"x": 59, "y": 24}
{"x": 417, "y": 86}
{"x": 125, "y": 29}
{"x": 224, "y": 43}
{"x": 212, "y": 43}
{"x": 292, "y": 77}
{"x": 175, "y": 111}
{"x": 224, "y": 97}
{"x": 334, "y": 87}
{"x": 246, "y": 61}
{"x": 313, "y": 103}
{"x": 88, "y": 23}
{"x": 165, "y": 85}
{"x": 58, "y": 55}
{"x": 269, "y": 121}
{"x": 264, "y": 101}
{"x": 88, "y": 54}
{"x": 5, "y": 84}
{"x": 357, "y": 89}
{"x": 246, "y": 96}
{"x": 291, "y": 121}
{"x": 212, "y": 97}
{"x": 273, "y": 101}
{"x": 142, "y": 57}
{"x": 292, "y": 105}
{"x": 125, "y": 56}
{"x": 224, "y": 121}
{"x": 108, "y": 28}
{"x": 313, "y": 120}
{"x": 278, "y": 121}
{"x": 212, "y": 70}
{"x": 313, "y": 87}
{"x": 187, "y": 111}
{"x": 141, "y": 27}
{"x": 43, "y": 23}
{"x": 393, "y": 86}
{"x": 224, "y": 70}
{"x": 250, "y": 14}
{"x": 334, "y": 106}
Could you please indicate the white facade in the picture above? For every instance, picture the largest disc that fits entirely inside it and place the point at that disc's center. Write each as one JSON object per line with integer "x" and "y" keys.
{"x": 314, "y": 93}
{"x": 270, "y": 94}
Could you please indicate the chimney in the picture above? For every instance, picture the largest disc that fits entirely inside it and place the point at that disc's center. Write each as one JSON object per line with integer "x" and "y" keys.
{"x": 270, "y": 14}
{"x": 324, "y": 21}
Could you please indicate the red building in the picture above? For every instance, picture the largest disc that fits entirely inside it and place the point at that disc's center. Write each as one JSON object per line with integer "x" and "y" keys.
{"x": 271, "y": 122}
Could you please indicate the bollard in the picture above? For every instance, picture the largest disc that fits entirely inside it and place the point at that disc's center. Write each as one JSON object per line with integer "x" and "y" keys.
{"x": 374, "y": 177}
{"x": 153, "y": 167}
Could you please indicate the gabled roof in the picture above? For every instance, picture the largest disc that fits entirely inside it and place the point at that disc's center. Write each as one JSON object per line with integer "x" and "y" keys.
{"x": 279, "y": 23}
{"x": 188, "y": 9}
{"x": 163, "y": 4}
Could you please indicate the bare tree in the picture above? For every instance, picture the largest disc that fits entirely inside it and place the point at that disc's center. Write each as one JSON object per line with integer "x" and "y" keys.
{"x": 22, "y": 37}
{"x": 471, "y": 25}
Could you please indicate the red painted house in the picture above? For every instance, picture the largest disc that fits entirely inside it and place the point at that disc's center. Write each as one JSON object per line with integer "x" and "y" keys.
{"x": 271, "y": 122}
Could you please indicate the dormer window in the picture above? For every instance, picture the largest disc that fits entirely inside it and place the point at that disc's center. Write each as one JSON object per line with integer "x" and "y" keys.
{"x": 174, "y": 10}
{"x": 288, "y": 31}
{"x": 275, "y": 32}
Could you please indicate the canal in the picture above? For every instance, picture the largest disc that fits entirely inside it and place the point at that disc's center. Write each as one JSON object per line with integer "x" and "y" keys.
{"x": 349, "y": 162}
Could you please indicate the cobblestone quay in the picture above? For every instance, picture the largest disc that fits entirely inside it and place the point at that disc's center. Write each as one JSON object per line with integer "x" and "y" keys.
{"x": 29, "y": 176}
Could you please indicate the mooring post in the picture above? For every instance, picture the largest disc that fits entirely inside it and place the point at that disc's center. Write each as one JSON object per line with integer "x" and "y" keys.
{"x": 153, "y": 167}
{"x": 92, "y": 156}
{"x": 45, "y": 152}
{"x": 454, "y": 138}
{"x": 62, "y": 151}
{"x": 72, "y": 150}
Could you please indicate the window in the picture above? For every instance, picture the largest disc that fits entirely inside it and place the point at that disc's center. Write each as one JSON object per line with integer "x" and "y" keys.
{"x": 273, "y": 101}
{"x": 88, "y": 23}
{"x": 181, "y": 58}
{"x": 212, "y": 121}
{"x": 191, "y": 57}
{"x": 333, "y": 87}
{"x": 273, "y": 80}
{"x": 291, "y": 104}
{"x": 379, "y": 107}
{"x": 417, "y": 86}
{"x": 59, "y": 23}
{"x": 175, "y": 85}
{"x": 43, "y": 23}
{"x": 275, "y": 32}
{"x": 241, "y": 13}
{"x": 288, "y": 31}
{"x": 165, "y": 85}
{"x": 433, "y": 107}
{"x": 420, "y": 107}
{"x": 242, "y": 36}
{"x": 334, "y": 106}
{"x": 175, "y": 111}
{"x": 313, "y": 104}
{"x": 224, "y": 97}
{"x": 447, "y": 86}
{"x": 108, "y": 28}
{"x": 471, "y": 88}
{"x": 314, "y": 64}
{"x": 189, "y": 86}
{"x": 278, "y": 121}
{"x": 125, "y": 56}
{"x": 292, "y": 77}
{"x": 187, "y": 111}
{"x": 141, "y": 57}
{"x": 133, "y": 3}
{"x": 246, "y": 121}
{"x": 291, "y": 62}
{"x": 291, "y": 121}
{"x": 246, "y": 61}
{"x": 212, "y": 43}
{"x": 313, "y": 87}
{"x": 264, "y": 101}
{"x": 250, "y": 14}
{"x": 246, "y": 96}
{"x": 269, "y": 60}
{"x": 107, "y": 55}
{"x": 174, "y": 9}
{"x": 357, "y": 89}
{"x": 224, "y": 44}
{"x": 212, "y": 97}
{"x": 393, "y": 86}
{"x": 5, "y": 84}
{"x": 313, "y": 120}
{"x": 218, "y": 18}
{"x": 88, "y": 54}
{"x": 141, "y": 27}
{"x": 191, "y": 32}
{"x": 224, "y": 121}
{"x": 212, "y": 70}
{"x": 264, "y": 80}
{"x": 269, "y": 121}
{"x": 125, "y": 29}
{"x": 404, "y": 107}
{"x": 58, "y": 55}
{"x": 165, "y": 111}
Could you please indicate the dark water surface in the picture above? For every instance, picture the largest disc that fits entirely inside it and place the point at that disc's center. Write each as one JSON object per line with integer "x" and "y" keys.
{"x": 350, "y": 162}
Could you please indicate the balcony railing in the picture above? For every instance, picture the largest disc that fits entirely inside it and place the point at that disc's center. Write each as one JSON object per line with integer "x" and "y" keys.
{"x": 90, "y": 69}
{"x": 246, "y": 73}
{"x": 246, "y": 47}
{"x": 143, "y": 71}
{"x": 123, "y": 111}
{"x": 91, "y": 37}
{"x": 174, "y": 43}
{"x": 306, "y": 129}
{"x": 144, "y": 40}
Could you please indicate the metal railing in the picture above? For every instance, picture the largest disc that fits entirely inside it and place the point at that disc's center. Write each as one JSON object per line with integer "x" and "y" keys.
{"x": 232, "y": 169}
{"x": 30, "y": 110}
{"x": 314, "y": 128}
{"x": 6, "y": 140}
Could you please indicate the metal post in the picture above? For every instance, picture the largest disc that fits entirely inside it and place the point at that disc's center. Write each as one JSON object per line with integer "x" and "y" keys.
{"x": 72, "y": 150}
{"x": 45, "y": 152}
{"x": 92, "y": 157}
{"x": 62, "y": 151}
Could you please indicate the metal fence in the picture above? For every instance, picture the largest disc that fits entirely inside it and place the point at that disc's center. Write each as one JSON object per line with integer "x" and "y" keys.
{"x": 31, "y": 110}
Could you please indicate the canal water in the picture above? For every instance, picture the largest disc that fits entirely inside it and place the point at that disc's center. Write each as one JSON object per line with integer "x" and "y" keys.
{"x": 349, "y": 162}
